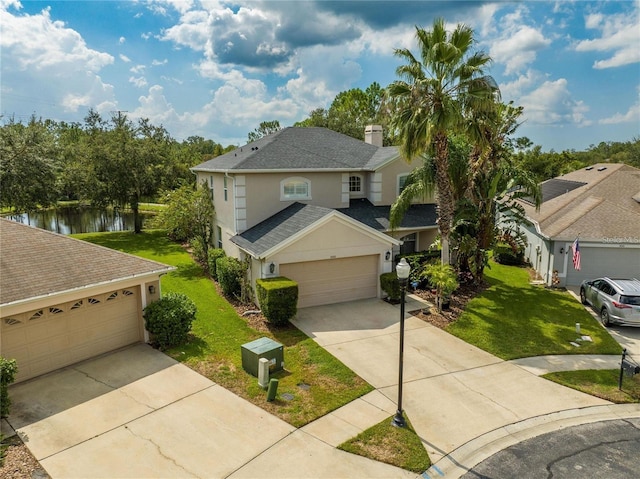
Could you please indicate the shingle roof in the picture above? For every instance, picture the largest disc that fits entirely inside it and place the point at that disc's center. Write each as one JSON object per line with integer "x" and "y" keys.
{"x": 35, "y": 262}
{"x": 294, "y": 218}
{"x": 279, "y": 227}
{"x": 296, "y": 148}
{"x": 602, "y": 207}
{"x": 377, "y": 217}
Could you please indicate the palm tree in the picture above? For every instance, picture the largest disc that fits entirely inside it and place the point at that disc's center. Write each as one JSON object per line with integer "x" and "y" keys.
{"x": 434, "y": 95}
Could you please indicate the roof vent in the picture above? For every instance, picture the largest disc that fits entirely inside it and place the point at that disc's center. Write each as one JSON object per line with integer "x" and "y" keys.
{"x": 589, "y": 168}
{"x": 602, "y": 168}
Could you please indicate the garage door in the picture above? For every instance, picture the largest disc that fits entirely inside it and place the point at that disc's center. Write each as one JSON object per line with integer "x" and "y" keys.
{"x": 50, "y": 338}
{"x": 334, "y": 280}
{"x": 597, "y": 261}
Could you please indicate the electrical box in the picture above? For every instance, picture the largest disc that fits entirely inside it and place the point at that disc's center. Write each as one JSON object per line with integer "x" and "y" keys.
{"x": 262, "y": 348}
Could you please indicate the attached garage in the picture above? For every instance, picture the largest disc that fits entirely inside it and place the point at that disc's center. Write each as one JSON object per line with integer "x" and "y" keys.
{"x": 621, "y": 261}
{"x": 334, "y": 280}
{"x": 50, "y": 338}
{"x": 63, "y": 300}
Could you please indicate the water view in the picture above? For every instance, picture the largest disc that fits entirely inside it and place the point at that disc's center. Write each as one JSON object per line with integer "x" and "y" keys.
{"x": 73, "y": 219}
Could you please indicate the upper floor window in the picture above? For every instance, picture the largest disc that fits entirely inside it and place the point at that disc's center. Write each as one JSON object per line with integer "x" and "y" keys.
{"x": 402, "y": 181}
{"x": 211, "y": 186}
{"x": 295, "y": 189}
{"x": 225, "y": 188}
{"x": 355, "y": 184}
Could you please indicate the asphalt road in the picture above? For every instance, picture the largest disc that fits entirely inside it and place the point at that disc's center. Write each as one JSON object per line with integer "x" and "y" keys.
{"x": 607, "y": 449}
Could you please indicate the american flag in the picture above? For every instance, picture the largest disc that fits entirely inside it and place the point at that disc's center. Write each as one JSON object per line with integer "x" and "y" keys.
{"x": 576, "y": 254}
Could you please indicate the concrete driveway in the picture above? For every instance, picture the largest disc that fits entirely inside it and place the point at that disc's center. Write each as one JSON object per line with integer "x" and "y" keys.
{"x": 453, "y": 392}
{"x": 136, "y": 413}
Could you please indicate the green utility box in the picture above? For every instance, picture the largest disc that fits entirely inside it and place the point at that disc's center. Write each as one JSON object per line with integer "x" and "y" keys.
{"x": 262, "y": 348}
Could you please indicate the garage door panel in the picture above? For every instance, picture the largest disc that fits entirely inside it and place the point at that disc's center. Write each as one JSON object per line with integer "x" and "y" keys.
{"x": 596, "y": 262}
{"x": 334, "y": 280}
{"x": 63, "y": 336}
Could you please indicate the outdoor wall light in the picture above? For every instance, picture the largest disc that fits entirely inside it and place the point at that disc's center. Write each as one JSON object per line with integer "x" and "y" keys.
{"x": 561, "y": 250}
{"x": 152, "y": 289}
{"x": 387, "y": 256}
{"x": 272, "y": 268}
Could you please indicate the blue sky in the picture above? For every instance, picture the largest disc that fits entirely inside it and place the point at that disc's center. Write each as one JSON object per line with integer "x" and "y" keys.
{"x": 217, "y": 68}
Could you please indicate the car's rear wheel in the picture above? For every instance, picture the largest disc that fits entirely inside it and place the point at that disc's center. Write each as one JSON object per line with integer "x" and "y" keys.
{"x": 604, "y": 316}
{"x": 583, "y": 296}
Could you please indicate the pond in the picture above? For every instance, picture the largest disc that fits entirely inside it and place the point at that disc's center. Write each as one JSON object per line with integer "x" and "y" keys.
{"x": 76, "y": 219}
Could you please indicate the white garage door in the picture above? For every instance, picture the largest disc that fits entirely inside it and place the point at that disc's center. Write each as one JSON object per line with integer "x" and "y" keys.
{"x": 50, "y": 338}
{"x": 334, "y": 280}
{"x": 596, "y": 262}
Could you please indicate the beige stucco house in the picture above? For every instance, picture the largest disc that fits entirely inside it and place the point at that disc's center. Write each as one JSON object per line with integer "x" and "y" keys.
{"x": 63, "y": 300}
{"x": 600, "y": 205}
{"x": 313, "y": 205}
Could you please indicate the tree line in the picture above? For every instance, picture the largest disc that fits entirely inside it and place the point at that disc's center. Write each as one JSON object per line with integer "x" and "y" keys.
{"x": 106, "y": 162}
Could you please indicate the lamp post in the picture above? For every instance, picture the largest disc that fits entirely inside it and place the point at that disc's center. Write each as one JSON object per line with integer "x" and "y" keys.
{"x": 402, "y": 270}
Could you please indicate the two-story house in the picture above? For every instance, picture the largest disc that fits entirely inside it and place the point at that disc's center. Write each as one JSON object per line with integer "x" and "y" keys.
{"x": 313, "y": 205}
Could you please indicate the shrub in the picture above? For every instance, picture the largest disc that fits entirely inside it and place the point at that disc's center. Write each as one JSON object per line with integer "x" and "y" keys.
{"x": 214, "y": 254}
{"x": 8, "y": 371}
{"x": 199, "y": 251}
{"x": 390, "y": 285}
{"x": 278, "y": 299}
{"x": 505, "y": 254}
{"x": 444, "y": 278}
{"x": 418, "y": 261}
{"x": 169, "y": 319}
{"x": 229, "y": 271}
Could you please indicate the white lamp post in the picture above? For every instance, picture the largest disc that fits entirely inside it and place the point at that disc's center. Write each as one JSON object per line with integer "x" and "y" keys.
{"x": 402, "y": 270}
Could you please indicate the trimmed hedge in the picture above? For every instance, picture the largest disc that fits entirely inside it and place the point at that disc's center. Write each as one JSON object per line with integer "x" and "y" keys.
{"x": 214, "y": 254}
{"x": 229, "y": 271}
{"x": 390, "y": 285}
{"x": 504, "y": 254}
{"x": 169, "y": 319}
{"x": 8, "y": 371}
{"x": 278, "y": 299}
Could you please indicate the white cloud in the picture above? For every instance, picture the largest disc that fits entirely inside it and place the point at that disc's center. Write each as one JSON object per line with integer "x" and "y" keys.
{"x": 620, "y": 36}
{"x": 631, "y": 116}
{"x": 515, "y": 89}
{"x": 138, "y": 69}
{"x": 140, "y": 82}
{"x": 41, "y": 55}
{"x": 517, "y": 47}
{"x": 157, "y": 63}
{"x": 125, "y": 58}
{"x": 121, "y": 40}
{"x": 552, "y": 104}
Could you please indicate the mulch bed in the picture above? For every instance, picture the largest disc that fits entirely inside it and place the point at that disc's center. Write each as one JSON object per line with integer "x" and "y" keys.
{"x": 458, "y": 302}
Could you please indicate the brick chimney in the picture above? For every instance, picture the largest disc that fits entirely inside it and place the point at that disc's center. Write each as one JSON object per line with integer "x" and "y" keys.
{"x": 373, "y": 135}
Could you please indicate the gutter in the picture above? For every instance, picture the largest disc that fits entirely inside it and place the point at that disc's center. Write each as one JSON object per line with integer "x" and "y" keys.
{"x": 88, "y": 286}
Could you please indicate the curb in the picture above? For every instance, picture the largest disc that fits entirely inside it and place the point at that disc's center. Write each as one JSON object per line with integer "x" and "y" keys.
{"x": 463, "y": 459}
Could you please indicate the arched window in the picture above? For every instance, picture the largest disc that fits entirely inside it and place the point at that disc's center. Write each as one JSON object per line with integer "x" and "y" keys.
{"x": 295, "y": 188}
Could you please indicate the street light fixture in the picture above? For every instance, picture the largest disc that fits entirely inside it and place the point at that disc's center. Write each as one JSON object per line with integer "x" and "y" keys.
{"x": 402, "y": 270}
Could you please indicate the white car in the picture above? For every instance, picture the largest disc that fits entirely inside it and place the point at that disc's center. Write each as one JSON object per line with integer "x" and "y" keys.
{"x": 616, "y": 300}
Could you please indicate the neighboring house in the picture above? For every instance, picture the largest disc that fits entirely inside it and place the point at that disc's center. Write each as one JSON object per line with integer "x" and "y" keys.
{"x": 313, "y": 205}
{"x": 63, "y": 300}
{"x": 600, "y": 205}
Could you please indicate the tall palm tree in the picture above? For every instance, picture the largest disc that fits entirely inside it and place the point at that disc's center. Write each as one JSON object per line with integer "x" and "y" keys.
{"x": 434, "y": 94}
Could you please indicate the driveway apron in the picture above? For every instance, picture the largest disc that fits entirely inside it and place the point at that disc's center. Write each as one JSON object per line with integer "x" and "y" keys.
{"x": 453, "y": 392}
{"x": 138, "y": 413}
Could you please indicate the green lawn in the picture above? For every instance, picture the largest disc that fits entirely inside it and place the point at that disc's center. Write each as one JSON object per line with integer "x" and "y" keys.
{"x": 218, "y": 333}
{"x": 514, "y": 319}
{"x": 384, "y": 442}
{"x": 602, "y": 383}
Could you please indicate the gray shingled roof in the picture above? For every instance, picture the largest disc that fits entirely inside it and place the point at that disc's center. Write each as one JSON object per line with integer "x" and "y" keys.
{"x": 377, "y": 217}
{"x": 296, "y": 148}
{"x": 603, "y": 207}
{"x": 35, "y": 262}
{"x": 279, "y": 227}
{"x": 284, "y": 224}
